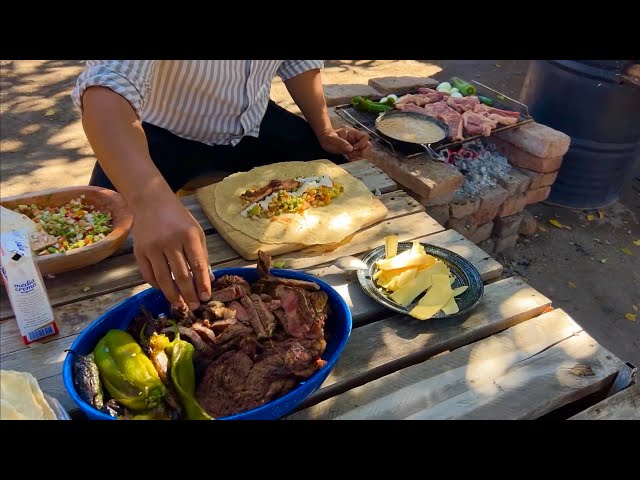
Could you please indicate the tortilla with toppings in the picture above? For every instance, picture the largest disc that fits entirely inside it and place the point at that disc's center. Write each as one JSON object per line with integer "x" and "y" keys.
{"x": 308, "y": 203}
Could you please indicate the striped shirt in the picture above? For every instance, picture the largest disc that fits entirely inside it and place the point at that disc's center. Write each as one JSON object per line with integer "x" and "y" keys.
{"x": 216, "y": 102}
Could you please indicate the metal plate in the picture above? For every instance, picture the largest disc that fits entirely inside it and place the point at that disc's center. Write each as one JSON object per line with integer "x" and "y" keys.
{"x": 463, "y": 271}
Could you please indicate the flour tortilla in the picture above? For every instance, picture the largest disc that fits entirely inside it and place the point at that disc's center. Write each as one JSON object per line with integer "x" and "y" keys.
{"x": 10, "y": 220}
{"x": 22, "y": 397}
{"x": 344, "y": 216}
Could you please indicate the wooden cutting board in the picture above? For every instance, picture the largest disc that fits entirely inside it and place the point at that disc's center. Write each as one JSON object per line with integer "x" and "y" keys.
{"x": 247, "y": 246}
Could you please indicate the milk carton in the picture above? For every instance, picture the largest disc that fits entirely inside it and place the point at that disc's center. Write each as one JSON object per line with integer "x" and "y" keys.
{"x": 25, "y": 287}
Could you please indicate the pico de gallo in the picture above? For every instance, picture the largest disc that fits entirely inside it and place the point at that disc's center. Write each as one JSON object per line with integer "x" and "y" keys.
{"x": 75, "y": 224}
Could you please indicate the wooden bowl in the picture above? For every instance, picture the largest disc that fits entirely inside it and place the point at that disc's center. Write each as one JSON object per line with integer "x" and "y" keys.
{"x": 104, "y": 200}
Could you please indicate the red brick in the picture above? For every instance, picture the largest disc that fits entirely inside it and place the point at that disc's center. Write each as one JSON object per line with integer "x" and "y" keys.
{"x": 401, "y": 85}
{"x": 439, "y": 213}
{"x": 520, "y": 158}
{"x": 537, "y": 139}
{"x": 490, "y": 200}
{"x": 482, "y": 233}
{"x": 488, "y": 245}
{"x": 529, "y": 224}
{"x": 514, "y": 182}
{"x": 538, "y": 195}
{"x": 425, "y": 177}
{"x": 512, "y": 205}
{"x": 539, "y": 179}
{"x": 463, "y": 204}
{"x": 507, "y": 226}
{"x": 433, "y": 201}
{"x": 464, "y": 226}
{"x": 505, "y": 243}
{"x": 343, "y": 93}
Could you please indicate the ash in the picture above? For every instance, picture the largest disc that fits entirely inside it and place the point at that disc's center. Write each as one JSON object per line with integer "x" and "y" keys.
{"x": 480, "y": 164}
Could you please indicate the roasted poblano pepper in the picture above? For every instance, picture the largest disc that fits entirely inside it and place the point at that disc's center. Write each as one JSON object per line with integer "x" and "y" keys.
{"x": 183, "y": 378}
{"x": 360, "y": 103}
{"x": 127, "y": 373}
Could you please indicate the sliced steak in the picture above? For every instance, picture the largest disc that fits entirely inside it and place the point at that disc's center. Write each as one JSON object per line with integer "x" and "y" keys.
{"x": 298, "y": 312}
{"x": 241, "y": 313}
{"x": 230, "y": 280}
{"x": 264, "y": 264}
{"x": 267, "y": 318}
{"x": 290, "y": 282}
{"x": 228, "y": 294}
{"x": 254, "y": 319}
{"x": 205, "y": 333}
{"x": 218, "y": 310}
{"x": 463, "y": 104}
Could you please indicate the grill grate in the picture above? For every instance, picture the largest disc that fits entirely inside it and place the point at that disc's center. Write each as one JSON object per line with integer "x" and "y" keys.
{"x": 367, "y": 121}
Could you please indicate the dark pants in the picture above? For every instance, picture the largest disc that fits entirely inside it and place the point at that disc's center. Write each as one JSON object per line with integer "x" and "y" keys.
{"x": 283, "y": 137}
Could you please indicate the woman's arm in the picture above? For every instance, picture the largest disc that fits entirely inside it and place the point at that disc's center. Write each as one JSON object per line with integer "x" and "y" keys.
{"x": 306, "y": 90}
{"x": 115, "y": 133}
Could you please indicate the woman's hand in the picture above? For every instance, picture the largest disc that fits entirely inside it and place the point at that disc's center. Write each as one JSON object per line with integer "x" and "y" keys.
{"x": 354, "y": 143}
{"x": 167, "y": 239}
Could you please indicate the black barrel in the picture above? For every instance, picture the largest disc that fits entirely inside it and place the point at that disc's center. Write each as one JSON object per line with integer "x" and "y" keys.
{"x": 587, "y": 100}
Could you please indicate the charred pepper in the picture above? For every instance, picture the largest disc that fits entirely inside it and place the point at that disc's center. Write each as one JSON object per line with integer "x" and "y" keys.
{"x": 363, "y": 104}
{"x": 127, "y": 373}
{"x": 86, "y": 378}
{"x": 183, "y": 378}
{"x": 463, "y": 87}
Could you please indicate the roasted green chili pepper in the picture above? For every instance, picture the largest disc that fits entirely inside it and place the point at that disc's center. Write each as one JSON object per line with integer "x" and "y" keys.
{"x": 127, "y": 373}
{"x": 183, "y": 378}
{"x": 463, "y": 87}
{"x": 486, "y": 100}
{"x": 360, "y": 103}
{"x": 86, "y": 378}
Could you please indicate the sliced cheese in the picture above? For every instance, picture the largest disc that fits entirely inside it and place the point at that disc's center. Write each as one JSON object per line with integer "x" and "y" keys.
{"x": 435, "y": 298}
{"x": 405, "y": 259}
{"x": 451, "y": 306}
{"x": 391, "y": 246}
{"x": 459, "y": 290}
{"x": 405, "y": 277}
{"x": 409, "y": 292}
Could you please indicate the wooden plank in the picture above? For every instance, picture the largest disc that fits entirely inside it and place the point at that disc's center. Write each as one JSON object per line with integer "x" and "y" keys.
{"x": 624, "y": 405}
{"x": 74, "y": 317}
{"x": 408, "y": 227}
{"x": 522, "y": 373}
{"x": 117, "y": 273}
{"x": 375, "y": 349}
{"x": 382, "y": 347}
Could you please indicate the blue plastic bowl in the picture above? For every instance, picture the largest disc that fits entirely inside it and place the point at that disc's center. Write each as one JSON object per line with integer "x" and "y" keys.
{"x": 337, "y": 328}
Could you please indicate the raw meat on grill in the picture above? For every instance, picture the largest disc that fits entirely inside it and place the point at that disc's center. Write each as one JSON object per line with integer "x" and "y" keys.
{"x": 463, "y": 104}
{"x": 476, "y": 124}
{"x": 503, "y": 117}
{"x": 461, "y": 114}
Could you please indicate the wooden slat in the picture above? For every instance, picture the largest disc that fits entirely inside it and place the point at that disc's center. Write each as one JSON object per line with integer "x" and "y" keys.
{"x": 74, "y": 317}
{"x": 624, "y": 405}
{"x": 522, "y": 373}
{"x": 117, "y": 273}
{"x": 375, "y": 349}
{"x": 385, "y": 346}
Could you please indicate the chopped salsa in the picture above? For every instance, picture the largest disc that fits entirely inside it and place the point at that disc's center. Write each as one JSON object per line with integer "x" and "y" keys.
{"x": 289, "y": 196}
{"x": 74, "y": 224}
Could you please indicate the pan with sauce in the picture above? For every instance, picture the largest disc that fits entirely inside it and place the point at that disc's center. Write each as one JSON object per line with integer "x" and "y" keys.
{"x": 411, "y": 129}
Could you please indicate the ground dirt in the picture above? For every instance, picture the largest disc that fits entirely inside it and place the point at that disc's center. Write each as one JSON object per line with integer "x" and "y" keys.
{"x": 582, "y": 270}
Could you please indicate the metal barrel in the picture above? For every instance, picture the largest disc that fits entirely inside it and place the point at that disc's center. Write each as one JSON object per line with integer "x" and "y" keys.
{"x": 586, "y": 100}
